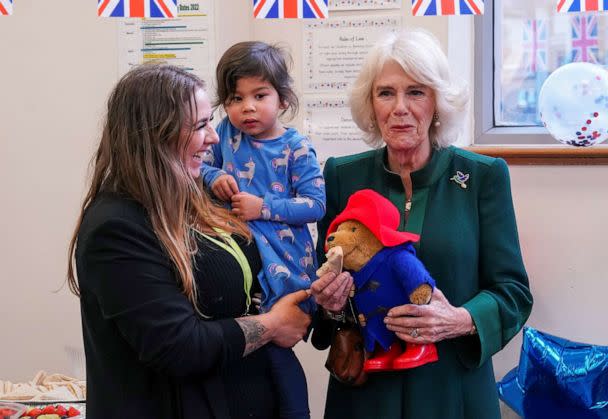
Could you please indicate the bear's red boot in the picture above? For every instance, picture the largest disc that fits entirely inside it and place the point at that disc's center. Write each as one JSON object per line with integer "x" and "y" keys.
{"x": 382, "y": 360}
{"x": 415, "y": 355}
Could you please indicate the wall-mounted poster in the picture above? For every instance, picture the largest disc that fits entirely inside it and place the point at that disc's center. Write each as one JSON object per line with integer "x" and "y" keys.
{"x": 364, "y": 4}
{"x": 334, "y": 49}
{"x": 187, "y": 41}
{"x": 330, "y": 127}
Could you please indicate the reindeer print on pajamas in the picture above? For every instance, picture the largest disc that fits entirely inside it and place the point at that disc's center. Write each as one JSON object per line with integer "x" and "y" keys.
{"x": 284, "y": 172}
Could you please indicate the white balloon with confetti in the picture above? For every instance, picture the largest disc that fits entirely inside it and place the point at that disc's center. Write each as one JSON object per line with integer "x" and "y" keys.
{"x": 573, "y": 104}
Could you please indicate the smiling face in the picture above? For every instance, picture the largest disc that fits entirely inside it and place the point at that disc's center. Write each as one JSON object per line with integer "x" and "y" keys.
{"x": 254, "y": 108}
{"x": 403, "y": 109}
{"x": 197, "y": 134}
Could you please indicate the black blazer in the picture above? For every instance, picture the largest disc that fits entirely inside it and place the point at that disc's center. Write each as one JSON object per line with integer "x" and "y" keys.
{"x": 148, "y": 354}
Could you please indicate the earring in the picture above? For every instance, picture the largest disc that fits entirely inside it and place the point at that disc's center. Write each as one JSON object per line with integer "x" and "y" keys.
{"x": 436, "y": 122}
{"x": 372, "y": 124}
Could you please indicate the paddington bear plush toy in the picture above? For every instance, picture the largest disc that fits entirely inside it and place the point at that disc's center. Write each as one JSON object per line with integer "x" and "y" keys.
{"x": 386, "y": 274}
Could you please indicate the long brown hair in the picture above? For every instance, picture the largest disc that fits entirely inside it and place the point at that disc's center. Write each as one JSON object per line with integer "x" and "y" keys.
{"x": 139, "y": 156}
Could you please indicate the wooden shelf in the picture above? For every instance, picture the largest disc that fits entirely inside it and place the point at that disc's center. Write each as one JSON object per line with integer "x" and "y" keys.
{"x": 546, "y": 155}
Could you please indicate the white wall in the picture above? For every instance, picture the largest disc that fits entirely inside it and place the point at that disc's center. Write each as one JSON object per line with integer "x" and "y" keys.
{"x": 56, "y": 73}
{"x": 58, "y": 63}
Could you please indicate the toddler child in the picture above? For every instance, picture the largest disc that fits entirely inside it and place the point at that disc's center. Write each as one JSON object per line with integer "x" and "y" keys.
{"x": 270, "y": 176}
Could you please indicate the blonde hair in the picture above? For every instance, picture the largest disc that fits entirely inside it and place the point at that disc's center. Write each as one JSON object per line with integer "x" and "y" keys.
{"x": 139, "y": 155}
{"x": 419, "y": 54}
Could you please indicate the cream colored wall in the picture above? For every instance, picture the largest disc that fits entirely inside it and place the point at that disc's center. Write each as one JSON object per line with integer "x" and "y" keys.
{"x": 56, "y": 72}
{"x": 58, "y": 65}
{"x": 563, "y": 228}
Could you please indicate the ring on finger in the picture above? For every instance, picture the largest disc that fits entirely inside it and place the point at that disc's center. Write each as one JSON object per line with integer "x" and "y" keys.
{"x": 414, "y": 333}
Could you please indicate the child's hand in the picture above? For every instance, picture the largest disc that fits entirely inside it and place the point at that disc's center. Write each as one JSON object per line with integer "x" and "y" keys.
{"x": 224, "y": 187}
{"x": 246, "y": 206}
{"x": 256, "y": 299}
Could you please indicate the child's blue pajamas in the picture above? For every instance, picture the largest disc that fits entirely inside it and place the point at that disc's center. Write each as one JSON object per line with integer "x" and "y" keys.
{"x": 286, "y": 173}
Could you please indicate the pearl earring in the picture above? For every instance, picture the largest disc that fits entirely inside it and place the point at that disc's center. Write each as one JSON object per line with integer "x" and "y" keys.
{"x": 436, "y": 122}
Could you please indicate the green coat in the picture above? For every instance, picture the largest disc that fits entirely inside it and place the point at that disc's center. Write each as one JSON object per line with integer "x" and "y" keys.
{"x": 470, "y": 246}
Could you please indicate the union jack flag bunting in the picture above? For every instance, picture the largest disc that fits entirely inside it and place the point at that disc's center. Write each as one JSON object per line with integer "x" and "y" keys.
{"x": 290, "y": 9}
{"x": 585, "y": 46}
{"x": 137, "y": 8}
{"x": 565, "y": 6}
{"x": 535, "y": 45}
{"x": 6, "y": 7}
{"x": 447, "y": 7}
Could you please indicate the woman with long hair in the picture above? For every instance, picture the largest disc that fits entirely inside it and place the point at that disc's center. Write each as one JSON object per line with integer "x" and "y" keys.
{"x": 164, "y": 275}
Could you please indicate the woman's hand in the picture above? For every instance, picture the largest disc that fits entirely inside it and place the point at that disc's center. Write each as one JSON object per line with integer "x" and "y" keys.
{"x": 433, "y": 322}
{"x": 290, "y": 322}
{"x": 285, "y": 324}
{"x": 331, "y": 291}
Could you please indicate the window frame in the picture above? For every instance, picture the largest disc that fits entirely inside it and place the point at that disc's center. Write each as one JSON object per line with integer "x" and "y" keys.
{"x": 517, "y": 145}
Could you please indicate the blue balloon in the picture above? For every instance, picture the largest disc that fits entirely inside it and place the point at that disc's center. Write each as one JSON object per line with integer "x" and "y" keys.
{"x": 573, "y": 104}
{"x": 558, "y": 379}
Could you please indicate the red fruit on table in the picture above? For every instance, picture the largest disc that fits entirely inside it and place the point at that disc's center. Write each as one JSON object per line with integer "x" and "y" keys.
{"x": 34, "y": 412}
{"x": 49, "y": 410}
{"x": 72, "y": 411}
{"x": 61, "y": 411}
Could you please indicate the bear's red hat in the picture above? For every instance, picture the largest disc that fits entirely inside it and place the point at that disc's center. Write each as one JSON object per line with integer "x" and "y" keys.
{"x": 376, "y": 213}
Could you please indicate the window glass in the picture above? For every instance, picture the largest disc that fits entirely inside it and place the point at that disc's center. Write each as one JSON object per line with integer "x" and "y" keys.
{"x": 531, "y": 40}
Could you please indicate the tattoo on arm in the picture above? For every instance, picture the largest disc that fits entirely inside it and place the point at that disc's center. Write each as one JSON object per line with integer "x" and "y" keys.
{"x": 254, "y": 333}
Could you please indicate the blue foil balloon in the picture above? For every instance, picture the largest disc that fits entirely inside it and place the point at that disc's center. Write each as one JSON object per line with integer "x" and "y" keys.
{"x": 573, "y": 104}
{"x": 557, "y": 379}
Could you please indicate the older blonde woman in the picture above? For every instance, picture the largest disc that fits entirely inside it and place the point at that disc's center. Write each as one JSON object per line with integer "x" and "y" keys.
{"x": 411, "y": 109}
